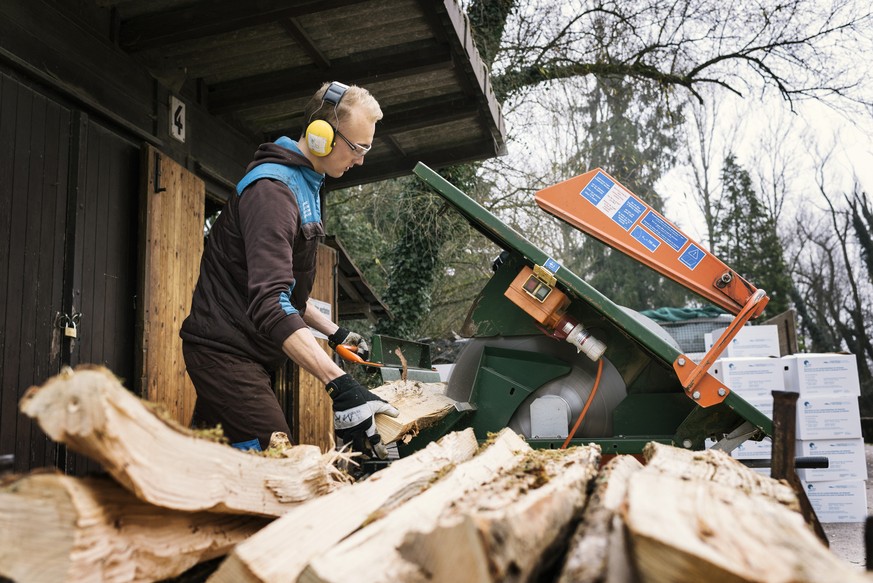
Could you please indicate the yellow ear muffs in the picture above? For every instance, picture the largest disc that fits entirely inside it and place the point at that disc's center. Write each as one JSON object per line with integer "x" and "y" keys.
{"x": 320, "y": 137}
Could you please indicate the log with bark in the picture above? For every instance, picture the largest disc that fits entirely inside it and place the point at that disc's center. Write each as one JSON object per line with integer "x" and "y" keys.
{"x": 59, "y": 528}
{"x": 420, "y": 405}
{"x": 597, "y": 551}
{"x": 282, "y": 550}
{"x": 165, "y": 464}
{"x": 492, "y": 518}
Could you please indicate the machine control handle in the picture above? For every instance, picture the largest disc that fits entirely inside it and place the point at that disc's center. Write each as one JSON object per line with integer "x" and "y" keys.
{"x": 809, "y": 462}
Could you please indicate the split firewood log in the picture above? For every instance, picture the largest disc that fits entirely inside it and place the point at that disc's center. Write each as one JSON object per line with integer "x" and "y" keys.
{"x": 282, "y": 550}
{"x": 496, "y": 517}
{"x": 60, "y": 528}
{"x": 513, "y": 528}
{"x": 371, "y": 554}
{"x": 165, "y": 464}
{"x": 420, "y": 405}
{"x": 717, "y": 466}
{"x": 692, "y": 530}
{"x": 597, "y": 552}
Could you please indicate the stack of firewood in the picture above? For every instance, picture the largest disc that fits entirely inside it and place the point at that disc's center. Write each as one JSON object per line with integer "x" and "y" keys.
{"x": 454, "y": 511}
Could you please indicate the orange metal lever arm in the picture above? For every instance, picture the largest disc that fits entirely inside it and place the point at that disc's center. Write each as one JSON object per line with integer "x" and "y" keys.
{"x": 702, "y": 387}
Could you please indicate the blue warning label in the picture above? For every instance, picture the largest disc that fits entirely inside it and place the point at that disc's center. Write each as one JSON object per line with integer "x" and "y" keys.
{"x": 614, "y": 201}
{"x": 629, "y": 212}
{"x": 595, "y": 190}
{"x": 692, "y": 256}
{"x": 552, "y": 265}
{"x": 643, "y": 236}
{"x": 665, "y": 231}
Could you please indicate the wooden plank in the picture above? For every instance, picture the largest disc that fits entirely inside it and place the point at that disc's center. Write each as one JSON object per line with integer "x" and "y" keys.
{"x": 164, "y": 464}
{"x": 171, "y": 243}
{"x": 59, "y": 528}
{"x": 316, "y": 526}
{"x": 312, "y": 417}
{"x": 372, "y": 553}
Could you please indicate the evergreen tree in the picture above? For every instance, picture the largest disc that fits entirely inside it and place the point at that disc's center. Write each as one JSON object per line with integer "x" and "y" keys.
{"x": 746, "y": 237}
{"x": 630, "y": 133}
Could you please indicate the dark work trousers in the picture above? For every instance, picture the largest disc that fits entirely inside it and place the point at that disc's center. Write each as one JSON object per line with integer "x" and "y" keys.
{"x": 235, "y": 392}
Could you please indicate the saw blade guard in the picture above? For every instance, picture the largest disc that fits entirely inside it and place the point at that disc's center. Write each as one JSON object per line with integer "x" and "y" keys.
{"x": 573, "y": 389}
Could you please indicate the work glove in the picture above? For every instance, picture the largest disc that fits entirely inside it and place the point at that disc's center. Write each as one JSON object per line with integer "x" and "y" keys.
{"x": 343, "y": 336}
{"x": 353, "y": 411}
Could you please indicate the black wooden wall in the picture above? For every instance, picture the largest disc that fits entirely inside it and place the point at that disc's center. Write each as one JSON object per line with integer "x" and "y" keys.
{"x": 68, "y": 190}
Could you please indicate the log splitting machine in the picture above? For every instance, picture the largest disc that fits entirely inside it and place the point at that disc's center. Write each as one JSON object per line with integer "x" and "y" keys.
{"x": 554, "y": 359}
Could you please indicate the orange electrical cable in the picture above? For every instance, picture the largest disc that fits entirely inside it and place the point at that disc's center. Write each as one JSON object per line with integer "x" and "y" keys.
{"x": 587, "y": 404}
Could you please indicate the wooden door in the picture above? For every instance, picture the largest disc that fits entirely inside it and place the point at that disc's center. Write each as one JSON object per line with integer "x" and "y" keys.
{"x": 34, "y": 159}
{"x": 68, "y": 236}
{"x": 172, "y": 215}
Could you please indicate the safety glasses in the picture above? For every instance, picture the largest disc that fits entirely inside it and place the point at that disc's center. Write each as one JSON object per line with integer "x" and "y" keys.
{"x": 357, "y": 149}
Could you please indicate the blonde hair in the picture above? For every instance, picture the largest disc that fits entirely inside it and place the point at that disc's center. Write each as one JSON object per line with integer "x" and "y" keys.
{"x": 354, "y": 98}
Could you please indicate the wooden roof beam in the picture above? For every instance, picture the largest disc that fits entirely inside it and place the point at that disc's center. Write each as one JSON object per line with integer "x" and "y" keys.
{"x": 213, "y": 17}
{"x": 296, "y": 83}
{"x": 293, "y": 27}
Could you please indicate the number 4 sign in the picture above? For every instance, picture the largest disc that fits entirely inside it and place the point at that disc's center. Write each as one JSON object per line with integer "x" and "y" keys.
{"x": 177, "y": 118}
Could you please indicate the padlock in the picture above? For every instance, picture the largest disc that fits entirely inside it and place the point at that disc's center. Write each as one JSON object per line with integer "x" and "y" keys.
{"x": 70, "y": 330}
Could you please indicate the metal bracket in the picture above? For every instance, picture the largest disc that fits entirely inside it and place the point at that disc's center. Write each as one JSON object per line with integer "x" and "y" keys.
{"x": 730, "y": 441}
{"x": 702, "y": 387}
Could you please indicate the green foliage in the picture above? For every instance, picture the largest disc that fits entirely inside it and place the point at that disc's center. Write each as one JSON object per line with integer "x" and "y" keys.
{"x": 416, "y": 264}
{"x": 746, "y": 238}
{"x": 630, "y": 133}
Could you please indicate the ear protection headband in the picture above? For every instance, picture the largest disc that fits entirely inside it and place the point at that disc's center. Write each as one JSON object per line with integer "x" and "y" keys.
{"x": 320, "y": 135}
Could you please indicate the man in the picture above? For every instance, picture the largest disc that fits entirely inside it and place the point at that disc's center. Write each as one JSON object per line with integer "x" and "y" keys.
{"x": 249, "y": 310}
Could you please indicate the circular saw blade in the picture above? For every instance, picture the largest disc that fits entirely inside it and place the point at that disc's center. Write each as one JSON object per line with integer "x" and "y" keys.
{"x": 574, "y": 388}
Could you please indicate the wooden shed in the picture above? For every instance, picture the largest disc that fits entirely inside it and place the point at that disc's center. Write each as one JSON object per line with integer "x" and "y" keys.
{"x": 122, "y": 122}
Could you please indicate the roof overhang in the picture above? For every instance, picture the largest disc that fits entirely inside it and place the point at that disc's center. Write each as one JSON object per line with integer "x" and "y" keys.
{"x": 255, "y": 64}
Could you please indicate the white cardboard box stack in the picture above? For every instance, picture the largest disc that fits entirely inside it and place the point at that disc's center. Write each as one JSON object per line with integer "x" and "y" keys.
{"x": 828, "y": 420}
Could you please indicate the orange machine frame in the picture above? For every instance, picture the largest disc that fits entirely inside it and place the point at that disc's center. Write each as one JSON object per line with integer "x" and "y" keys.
{"x": 599, "y": 205}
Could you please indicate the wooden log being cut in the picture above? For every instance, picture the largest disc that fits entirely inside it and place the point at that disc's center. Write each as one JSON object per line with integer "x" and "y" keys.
{"x": 372, "y": 553}
{"x": 59, "y": 528}
{"x": 695, "y": 530}
{"x": 489, "y": 520}
{"x": 597, "y": 549}
{"x": 283, "y": 549}
{"x": 420, "y": 405}
{"x": 717, "y": 466}
{"x": 165, "y": 464}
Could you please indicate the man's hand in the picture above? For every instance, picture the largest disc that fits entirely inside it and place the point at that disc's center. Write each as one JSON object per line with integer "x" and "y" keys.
{"x": 353, "y": 411}
{"x": 343, "y": 336}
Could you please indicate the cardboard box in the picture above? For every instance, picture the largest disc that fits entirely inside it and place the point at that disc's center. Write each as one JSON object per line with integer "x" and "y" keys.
{"x": 821, "y": 374}
{"x": 846, "y": 458}
{"x": 753, "y": 450}
{"x": 753, "y": 378}
{"x": 838, "y": 501}
{"x": 828, "y": 417}
{"x": 749, "y": 341}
